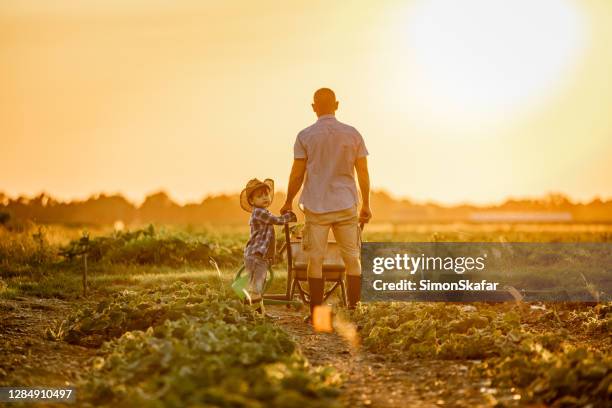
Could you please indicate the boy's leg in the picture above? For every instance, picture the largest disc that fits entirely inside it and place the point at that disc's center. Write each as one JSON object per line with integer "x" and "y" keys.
{"x": 259, "y": 277}
{"x": 258, "y": 270}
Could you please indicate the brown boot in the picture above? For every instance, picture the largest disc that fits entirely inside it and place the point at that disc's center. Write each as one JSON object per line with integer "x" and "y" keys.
{"x": 353, "y": 290}
{"x": 317, "y": 288}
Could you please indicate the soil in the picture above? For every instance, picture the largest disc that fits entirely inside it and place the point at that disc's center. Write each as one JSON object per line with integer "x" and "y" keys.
{"x": 28, "y": 357}
{"x": 372, "y": 381}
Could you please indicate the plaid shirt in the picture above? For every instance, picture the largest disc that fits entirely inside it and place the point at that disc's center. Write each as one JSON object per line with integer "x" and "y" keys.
{"x": 263, "y": 240}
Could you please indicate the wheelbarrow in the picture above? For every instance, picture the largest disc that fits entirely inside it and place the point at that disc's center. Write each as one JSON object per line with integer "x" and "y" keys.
{"x": 334, "y": 270}
{"x": 297, "y": 265}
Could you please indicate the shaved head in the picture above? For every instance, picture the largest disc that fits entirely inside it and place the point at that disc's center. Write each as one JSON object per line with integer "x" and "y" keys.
{"x": 324, "y": 101}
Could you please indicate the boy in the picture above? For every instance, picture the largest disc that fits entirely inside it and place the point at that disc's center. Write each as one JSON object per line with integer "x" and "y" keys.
{"x": 260, "y": 249}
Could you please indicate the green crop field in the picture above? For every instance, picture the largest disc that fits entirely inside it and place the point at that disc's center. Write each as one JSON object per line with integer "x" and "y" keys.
{"x": 160, "y": 327}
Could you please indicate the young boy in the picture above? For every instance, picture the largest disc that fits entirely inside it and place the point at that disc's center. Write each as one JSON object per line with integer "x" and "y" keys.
{"x": 260, "y": 249}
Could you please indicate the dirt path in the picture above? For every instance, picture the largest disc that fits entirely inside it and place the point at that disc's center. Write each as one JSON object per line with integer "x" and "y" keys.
{"x": 370, "y": 381}
{"x": 27, "y": 356}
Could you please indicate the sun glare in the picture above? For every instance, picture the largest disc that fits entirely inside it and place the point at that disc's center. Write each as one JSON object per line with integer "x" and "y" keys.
{"x": 490, "y": 60}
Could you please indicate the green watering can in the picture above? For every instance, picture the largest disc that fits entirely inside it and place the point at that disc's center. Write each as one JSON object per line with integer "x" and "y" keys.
{"x": 241, "y": 283}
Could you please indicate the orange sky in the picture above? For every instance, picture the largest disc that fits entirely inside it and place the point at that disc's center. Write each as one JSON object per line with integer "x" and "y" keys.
{"x": 472, "y": 103}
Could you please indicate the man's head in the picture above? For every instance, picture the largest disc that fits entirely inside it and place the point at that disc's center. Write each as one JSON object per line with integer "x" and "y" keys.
{"x": 324, "y": 102}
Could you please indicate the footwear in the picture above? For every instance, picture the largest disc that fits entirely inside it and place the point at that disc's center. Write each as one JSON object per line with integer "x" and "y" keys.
{"x": 254, "y": 296}
{"x": 266, "y": 315}
{"x": 317, "y": 287}
{"x": 353, "y": 290}
{"x": 252, "y": 302}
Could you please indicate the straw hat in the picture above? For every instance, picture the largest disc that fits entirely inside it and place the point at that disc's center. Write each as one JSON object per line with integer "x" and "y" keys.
{"x": 251, "y": 186}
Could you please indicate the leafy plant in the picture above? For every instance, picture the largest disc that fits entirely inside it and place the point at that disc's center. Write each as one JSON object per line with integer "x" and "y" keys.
{"x": 184, "y": 345}
{"x": 522, "y": 347}
{"x": 131, "y": 310}
{"x": 572, "y": 377}
{"x": 436, "y": 331}
{"x": 150, "y": 247}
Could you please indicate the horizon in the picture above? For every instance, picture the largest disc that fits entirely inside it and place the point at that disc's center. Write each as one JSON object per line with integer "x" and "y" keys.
{"x": 139, "y": 202}
{"x": 140, "y": 96}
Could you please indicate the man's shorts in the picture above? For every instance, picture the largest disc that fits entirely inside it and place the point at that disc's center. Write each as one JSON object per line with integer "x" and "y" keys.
{"x": 345, "y": 226}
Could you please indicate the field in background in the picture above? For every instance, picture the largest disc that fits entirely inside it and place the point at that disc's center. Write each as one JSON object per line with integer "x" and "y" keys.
{"x": 30, "y": 254}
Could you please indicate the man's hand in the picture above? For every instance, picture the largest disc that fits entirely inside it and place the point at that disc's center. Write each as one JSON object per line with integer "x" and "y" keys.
{"x": 365, "y": 214}
{"x": 288, "y": 206}
{"x": 361, "y": 165}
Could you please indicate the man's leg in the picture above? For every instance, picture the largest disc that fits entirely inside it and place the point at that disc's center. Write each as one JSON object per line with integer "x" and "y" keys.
{"x": 315, "y": 245}
{"x": 348, "y": 236}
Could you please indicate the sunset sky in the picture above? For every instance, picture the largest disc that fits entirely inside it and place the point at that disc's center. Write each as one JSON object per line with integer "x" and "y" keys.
{"x": 470, "y": 101}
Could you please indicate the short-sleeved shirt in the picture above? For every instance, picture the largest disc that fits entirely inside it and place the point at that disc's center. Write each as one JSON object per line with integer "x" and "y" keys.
{"x": 330, "y": 148}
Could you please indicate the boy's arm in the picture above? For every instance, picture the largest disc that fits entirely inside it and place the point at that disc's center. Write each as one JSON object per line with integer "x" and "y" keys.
{"x": 267, "y": 217}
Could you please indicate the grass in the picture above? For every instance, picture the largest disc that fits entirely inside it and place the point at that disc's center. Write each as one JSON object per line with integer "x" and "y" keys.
{"x": 67, "y": 284}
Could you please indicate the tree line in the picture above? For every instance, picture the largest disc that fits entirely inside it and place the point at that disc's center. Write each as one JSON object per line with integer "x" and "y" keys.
{"x": 103, "y": 209}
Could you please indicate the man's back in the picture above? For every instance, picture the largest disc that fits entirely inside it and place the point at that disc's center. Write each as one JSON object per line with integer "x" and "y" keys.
{"x": 330, "y": 148}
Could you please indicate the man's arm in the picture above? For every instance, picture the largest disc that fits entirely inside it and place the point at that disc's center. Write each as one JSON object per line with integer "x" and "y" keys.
{"x": 296, "y": 178}
{"x": 363, "y": 176}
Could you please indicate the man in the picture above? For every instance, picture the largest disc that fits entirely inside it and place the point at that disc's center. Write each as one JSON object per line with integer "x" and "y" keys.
{"x": 326, "y": 156}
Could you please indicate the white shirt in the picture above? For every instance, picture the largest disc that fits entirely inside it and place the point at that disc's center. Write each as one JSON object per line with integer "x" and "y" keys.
{"x": 330, "y": 148}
